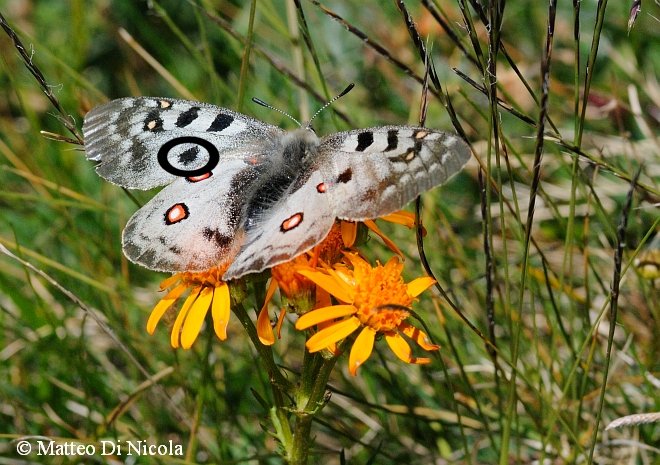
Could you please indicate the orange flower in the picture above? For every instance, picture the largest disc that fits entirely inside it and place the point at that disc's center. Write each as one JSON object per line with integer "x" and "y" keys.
{"x": 300, "y": 291}
{"x": 207, "y": 290}
{"x": 375, "y": 299}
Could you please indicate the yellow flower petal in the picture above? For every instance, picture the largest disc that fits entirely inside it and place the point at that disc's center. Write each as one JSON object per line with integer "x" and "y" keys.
{"x": 345, "y": 277}
{"x": 399, "y": 346}
{"x": 332, "y": 284}
{"x": 419, "y": 285}
{"x": 170, "y": 281}
{"x": 401, "y": 217}
{"x": 181, "y": 317}
{"x": 349, "y": 232}
{"x": 272, "y": 287}
{"x": 402, "y": 350}
{"x": 280, "y": 321}
{"x": 319, "y": 315}
{"x": 332, "y": 347}
{"x": 264, "y": 329}
{"x": 332, "y": 334}
{"x": 162, "y": 306}
{"x": 361, "y": 349}
{"x": 388, "y": 242}
{"x": 220, "y": 310}
{"x": 418, "y": 336}
{"x": 357, "y": 261}
{"x": 195, "y": 319}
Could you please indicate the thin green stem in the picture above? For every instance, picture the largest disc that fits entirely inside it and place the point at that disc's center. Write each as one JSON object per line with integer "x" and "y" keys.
{"x": 265, "y": 352}
{"x": 245, "y": 62}
{"x": 311, "y": 398}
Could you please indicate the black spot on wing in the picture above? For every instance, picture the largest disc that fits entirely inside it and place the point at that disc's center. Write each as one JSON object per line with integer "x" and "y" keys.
{"x": 153, "y": 122}
{"x": 187, "y": 117}
{"x": 346, "y": 176}
{"x": 420, "y": 133}
{"x": 123, "y": 124}
{"x": 392, "y": 139}
{"x": 139, "y": 152}
{"x": 418, "y": 146}
{"x": 365, "y": 139}
{"x": 188, "y": 156}
{"x": 410, "y": 154}
{"x": 220, "y": 123}
{"x": 147, "y": 256}
{"x": 213, "y": 235}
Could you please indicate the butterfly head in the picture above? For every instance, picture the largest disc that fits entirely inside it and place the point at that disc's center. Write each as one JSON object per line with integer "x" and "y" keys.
{"x": 299, "y": 144}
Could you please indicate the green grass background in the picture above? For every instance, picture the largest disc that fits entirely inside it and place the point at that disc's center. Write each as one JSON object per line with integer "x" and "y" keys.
{"x": 65, "y": 376}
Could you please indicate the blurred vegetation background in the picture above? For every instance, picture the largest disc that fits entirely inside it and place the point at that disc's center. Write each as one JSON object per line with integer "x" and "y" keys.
{"x": 90, "y": 371}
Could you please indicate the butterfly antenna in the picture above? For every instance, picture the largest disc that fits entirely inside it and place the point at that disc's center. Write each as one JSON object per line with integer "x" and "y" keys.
{"x": 330, "y": 102}
{"x": 264, "y": 104}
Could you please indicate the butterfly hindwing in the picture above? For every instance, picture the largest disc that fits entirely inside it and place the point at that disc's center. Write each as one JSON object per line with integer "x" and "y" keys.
{"x": 190, "y": 226}
{"x": 376, "y": 171}
{"x": 126, "y": 136}
{"x": 299, "y": 220}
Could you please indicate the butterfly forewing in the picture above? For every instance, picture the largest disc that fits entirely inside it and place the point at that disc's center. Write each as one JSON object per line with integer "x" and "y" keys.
{"x": 376, "y": 171}
{"x": 126, "y": 135}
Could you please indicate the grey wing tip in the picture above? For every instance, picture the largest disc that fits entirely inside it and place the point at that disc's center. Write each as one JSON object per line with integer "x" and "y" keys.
{"x": 457, "y": 147}
{"x": 98, "y": 124}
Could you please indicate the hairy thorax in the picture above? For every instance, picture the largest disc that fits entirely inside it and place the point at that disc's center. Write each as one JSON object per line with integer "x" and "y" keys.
{"x": 297, "y": 146}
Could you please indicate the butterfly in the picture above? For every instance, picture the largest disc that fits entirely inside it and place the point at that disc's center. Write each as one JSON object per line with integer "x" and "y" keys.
{"x": 249, "y": 195}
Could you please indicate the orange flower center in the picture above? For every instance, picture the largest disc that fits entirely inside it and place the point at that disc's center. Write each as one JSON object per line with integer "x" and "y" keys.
{"x": 208, "y": 278}
{"x": 381, "y": 297}
{"x": 330, "y": 248}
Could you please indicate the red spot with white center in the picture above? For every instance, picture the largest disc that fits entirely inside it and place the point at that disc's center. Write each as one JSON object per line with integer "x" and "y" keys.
{"x": 321, "y": 188}
{"x": 177, "y": 212}
{"x": 292, "y": 222}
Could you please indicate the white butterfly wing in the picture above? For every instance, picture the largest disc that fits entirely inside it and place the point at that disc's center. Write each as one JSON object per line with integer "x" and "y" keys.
{"x": 354, "y": 175}
{"x": 376, "y": 171}
{"x": 241, "y": 191}
{"x": 190, "y": 226}
{"x": 299, "y": 220}
{"x": 126, "y": 137}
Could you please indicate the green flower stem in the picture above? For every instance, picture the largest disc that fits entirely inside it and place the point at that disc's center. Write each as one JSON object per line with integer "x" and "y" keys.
{"x": 265, "y": 353}
{"x": 310, "y": 368}
{"x": 279, "y": 414}
{"x": 310, "y": 400}
{"x": 309, "y": 397}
